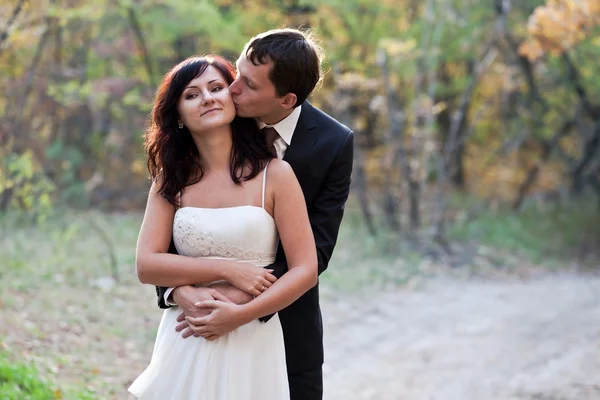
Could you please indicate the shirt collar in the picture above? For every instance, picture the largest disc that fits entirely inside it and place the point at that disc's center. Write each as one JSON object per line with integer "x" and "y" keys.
{"x": 286, "y": 127}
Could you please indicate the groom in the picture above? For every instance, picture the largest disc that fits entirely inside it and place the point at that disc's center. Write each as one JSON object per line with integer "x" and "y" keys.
{"x": 273, "y": 68}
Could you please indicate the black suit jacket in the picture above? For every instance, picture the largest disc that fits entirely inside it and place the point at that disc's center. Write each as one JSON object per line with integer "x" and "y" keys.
{"x": 321, "y": 155}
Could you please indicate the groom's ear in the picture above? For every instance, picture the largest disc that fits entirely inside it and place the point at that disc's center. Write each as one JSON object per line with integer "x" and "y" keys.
{"x": 289, "y": 100}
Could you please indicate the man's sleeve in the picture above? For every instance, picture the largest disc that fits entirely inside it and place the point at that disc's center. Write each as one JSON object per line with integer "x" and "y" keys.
{"x": 327, "y": 209}
{"x": 164, "y": 292}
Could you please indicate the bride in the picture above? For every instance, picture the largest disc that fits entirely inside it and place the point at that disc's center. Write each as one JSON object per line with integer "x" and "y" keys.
{"x": 226, "y": 202}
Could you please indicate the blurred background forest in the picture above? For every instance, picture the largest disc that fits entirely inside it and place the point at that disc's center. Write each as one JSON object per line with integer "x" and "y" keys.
{"x": 477, "y": 126}
{"x": 496, "y": 102}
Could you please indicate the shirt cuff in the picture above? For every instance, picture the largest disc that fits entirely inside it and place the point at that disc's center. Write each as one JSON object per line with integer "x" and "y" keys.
{"x": 166, "y": 297}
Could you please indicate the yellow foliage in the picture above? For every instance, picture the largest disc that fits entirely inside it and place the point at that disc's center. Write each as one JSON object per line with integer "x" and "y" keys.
{"x": 396, "y": 47}
{"x": 559, "y": 25}
{"x": 138, "y": 167}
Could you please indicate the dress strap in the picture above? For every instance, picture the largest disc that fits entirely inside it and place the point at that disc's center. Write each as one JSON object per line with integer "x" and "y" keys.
{"x": 264, "y": 185}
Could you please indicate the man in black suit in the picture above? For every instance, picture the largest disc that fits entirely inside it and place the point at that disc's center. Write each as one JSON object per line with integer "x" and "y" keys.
{"x": 277, "y": 71}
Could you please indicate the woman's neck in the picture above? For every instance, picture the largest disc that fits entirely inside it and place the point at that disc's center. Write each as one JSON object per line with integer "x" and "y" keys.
{"x": 215, "y": 148}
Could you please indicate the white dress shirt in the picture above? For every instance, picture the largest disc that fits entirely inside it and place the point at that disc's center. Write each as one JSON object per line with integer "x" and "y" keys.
{"x": 285, "y": 128}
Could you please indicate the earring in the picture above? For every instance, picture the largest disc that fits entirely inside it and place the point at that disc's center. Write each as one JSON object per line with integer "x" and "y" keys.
{"x": 180, "y": 125}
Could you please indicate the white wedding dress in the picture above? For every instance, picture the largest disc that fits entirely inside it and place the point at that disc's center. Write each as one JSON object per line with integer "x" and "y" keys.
{"x": 246, "y": 364}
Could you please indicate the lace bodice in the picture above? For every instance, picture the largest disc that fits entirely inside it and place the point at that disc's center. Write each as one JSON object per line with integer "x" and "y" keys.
{"x": 244, "y": 233}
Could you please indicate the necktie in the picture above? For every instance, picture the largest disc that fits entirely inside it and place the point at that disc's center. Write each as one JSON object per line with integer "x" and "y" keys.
{"x": 270, "y": 136}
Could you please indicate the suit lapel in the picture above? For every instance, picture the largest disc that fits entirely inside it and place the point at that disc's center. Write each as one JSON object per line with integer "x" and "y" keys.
{"x": 303, "y": 139}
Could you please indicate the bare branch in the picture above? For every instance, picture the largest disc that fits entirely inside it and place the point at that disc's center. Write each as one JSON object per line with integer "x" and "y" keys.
{"x": 548, "y": 149}
{"x": 502, "y": 9}
{"x": 104, "y": 237}
{"x": 31, "y": 73}
{"x": 575, "y": 79}
{"x": 15, "y": 14}
{"x": 591, "y": 150}
{"x": 142, "y": 43}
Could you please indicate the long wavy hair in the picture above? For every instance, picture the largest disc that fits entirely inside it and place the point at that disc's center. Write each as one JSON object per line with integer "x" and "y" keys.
{"x": 172, "y": 156}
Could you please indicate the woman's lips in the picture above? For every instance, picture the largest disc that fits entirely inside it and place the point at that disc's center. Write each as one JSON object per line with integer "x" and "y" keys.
{"x": 211, "y": 110}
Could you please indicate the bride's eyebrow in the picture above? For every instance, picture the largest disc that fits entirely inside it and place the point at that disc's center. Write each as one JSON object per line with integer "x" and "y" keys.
{"x": 212, "y": 81}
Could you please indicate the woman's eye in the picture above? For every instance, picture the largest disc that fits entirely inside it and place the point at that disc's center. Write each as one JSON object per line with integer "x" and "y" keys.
{"x": 217, "y": 88}
{"x": 190, "y": 96}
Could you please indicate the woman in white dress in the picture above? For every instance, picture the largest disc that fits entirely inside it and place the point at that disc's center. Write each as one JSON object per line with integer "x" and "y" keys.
{"x": 218, "y": 191}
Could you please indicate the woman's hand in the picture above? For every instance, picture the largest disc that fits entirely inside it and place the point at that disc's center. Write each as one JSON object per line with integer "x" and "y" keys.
{"x": 249, "y": 278}
{"x": 224, "y": 318}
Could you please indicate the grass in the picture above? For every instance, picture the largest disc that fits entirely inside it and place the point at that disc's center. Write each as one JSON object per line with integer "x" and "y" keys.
{"x": 362, "y": 261}
{"x": 21, "y": 381}
{"x": 85, "y": 322}
{"x": 63, "y": 248}
{"x": 545, "y": 236}
{"x": 543, "y": 233}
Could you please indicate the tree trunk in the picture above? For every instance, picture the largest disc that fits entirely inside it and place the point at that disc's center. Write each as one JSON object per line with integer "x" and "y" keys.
{"x": 360, "y": 181}
{"x": 393, "y": 137}
{"x": 547, "y": 151}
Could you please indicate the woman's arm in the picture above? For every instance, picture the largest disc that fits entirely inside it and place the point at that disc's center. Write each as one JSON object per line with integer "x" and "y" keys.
{"x": 291, "y": 218}
{"x": 155, "y": 266}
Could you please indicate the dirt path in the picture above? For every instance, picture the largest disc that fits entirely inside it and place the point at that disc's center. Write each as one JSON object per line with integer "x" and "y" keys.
{"x": 467, "y": 340}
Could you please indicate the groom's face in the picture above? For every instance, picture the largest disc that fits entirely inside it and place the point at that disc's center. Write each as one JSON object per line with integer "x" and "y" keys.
{"x": 253, "y": 92}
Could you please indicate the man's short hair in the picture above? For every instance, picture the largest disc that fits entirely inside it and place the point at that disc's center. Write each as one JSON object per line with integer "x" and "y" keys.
{"x": 296, "y": 60}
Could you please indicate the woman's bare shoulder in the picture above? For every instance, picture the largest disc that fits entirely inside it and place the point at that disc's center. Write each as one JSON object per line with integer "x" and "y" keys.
{"x": 280, "y": 170}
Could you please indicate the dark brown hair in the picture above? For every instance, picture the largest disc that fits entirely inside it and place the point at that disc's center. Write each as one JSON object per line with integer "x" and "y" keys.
{"x": 296, "y": 60}
{"x": 172, "y": 154}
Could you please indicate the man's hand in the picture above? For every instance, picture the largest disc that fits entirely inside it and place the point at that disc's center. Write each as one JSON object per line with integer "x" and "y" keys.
{"x": 224, "y": 318}
{"x": 232, "y": 293}
{"x": 186, "y": 297}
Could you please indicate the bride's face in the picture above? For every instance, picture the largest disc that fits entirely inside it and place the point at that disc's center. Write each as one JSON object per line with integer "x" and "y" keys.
{"x": 206, "y": 103}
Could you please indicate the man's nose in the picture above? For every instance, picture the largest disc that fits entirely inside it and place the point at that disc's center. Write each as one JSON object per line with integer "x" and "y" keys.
{"x": 234, "y": 88}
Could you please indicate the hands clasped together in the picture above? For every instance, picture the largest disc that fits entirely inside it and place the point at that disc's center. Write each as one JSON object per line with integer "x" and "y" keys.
{"x": 211, "y": 312}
